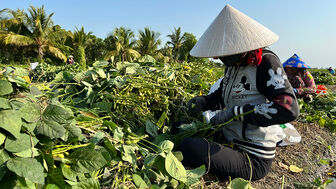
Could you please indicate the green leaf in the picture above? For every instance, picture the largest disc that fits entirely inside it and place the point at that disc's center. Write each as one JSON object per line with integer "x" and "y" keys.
{"x": 52, "y": 186}
{"x": 118, "y": 81}
{"x": 86, "y": 160}
{"x": 178, "y": 155}
{"x": 50, "y": 128}
{"x": 28, "y": 153}
{"x": 57, "y": 177}
{"x": 131, "y": 70}
{"x": 89, "y": 183}
{"x": 11, "y": 122}
{"x": 16, "y": 105}
{"x": 21, "y": 72}
{"x": 2, "y": 138}
{"x": 111, "y": 125}
{"x": 325, "y": 161}
{"x": 110, "y": 147}
{"x": 171, "y": 76}
{"x": 29, "y": 126}
{"x": 194, "y": 175}
{"x": 97, "y": 137}
{"x": 68, "y": 172}
{"x": 322, "y": 122}
{"x": 175, "y": 168}
{"x": 150, "y": 160}
{"x": 166, "y": 146}
{"x": 9, "y": 70}
{"x": 162, "y": 119}
{"x": 101, "y": 73}
{"x": 103, "y": 106}
{"x": 19, "y": 81}
{"x": 160, "y": 138}
{"x": 28, "y": 168}
{"x": 31, "y": 112}
{"x": 87, "y": 84}
{"x": 118, "y": 134}
{"x": 104, "y": 152}
{"x": 154, "y": 186}
{"x": 129, "y": 154}
{"x": 73, "y": 130}
{"x": 58, "y": 114}
{"x": 3, "y": 171}
{"x": 100, "y": 64}
{"x": 6, "y": 88}
{"x": 20, "y": 144}
{"x": 35, "y": 91}
{"x": 239, "y": 183}
{"x": 4, "y": 157}
{"x": 138, "y": 181}
{"x": 151, "y": 128}
{"x": 4, "y": 103}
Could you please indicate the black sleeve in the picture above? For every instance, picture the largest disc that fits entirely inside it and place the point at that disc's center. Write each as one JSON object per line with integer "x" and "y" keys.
{"x": 272, "y": 82}
{"x": 214, "y": 101}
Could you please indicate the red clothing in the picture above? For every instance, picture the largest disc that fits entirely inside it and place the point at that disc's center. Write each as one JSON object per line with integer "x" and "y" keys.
{"x": 303, "y": 82}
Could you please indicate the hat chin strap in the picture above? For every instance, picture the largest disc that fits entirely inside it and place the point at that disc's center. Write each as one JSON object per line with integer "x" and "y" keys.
{"x": 231, "y": 60}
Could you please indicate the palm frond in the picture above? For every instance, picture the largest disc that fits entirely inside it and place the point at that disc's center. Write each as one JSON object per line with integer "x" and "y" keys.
{"x": 57, "y": 53}
{"x": 109, "y": 54}
{"x": 19, "y": 40}
{"x": 133, "y": 53}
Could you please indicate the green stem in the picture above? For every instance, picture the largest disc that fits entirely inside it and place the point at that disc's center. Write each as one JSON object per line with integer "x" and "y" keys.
{"x": 236, "y": 117}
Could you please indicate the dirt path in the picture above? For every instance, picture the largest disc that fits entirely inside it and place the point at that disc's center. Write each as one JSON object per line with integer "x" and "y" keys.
{"x": 317, "y": 144}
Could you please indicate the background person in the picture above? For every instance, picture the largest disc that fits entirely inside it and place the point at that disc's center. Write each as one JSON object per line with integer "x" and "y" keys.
{"x": 70, "y": 60}
{"x": 331, "y": 71}
{"x": 254, "y": 82}
{"x": 300, "y": 78}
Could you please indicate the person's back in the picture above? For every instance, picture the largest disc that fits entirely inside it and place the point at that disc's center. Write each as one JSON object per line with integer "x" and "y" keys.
{"x": 331, "y": 71}
{"x": 70, "y": 60}
{"x": 300, "y": 78}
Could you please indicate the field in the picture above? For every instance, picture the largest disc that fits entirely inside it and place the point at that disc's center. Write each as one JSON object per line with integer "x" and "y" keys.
{"x": 109, "y": 127}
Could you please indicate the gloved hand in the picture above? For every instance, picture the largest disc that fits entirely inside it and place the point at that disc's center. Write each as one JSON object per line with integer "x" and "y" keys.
{"x": 195, "y": 106}
{"x": 222, "y": 117}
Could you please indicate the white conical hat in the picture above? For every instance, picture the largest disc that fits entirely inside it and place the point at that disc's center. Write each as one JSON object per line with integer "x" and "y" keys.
{"x": 232, "y": 32}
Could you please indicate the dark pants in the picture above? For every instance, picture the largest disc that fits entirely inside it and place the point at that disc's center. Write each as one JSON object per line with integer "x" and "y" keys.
{"x": 225, "y": 162}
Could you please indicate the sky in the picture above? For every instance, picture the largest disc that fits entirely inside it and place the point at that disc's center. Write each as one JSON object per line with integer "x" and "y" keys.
{"x": 305, "y": 27}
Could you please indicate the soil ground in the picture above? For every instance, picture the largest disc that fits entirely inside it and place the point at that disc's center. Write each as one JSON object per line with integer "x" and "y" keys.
{"x": 316, "y": 144}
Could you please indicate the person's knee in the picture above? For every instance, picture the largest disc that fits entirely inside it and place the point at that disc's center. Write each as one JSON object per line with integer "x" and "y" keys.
{"x": 194, "y": 151}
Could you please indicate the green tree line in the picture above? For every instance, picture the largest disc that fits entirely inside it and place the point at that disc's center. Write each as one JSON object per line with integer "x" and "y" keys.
{"x": 30, "y": 36}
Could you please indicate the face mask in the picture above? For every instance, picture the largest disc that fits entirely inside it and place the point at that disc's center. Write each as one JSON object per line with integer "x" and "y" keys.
{"x": 231, "y": 60}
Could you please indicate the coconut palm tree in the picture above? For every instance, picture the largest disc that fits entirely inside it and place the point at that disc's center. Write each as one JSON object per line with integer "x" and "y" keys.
{"x": 81, "y": 41}
{"x": 13, "y": 21}
{"x": 95, "y": 50}
{"x": 124, "y": 44}
{"x": 148, "y": 42}
{"x": 176, "y": 39}
{"x": 65, "y": 42}
{"x": 39, "y": 35}
{"x": 189, "y": 41}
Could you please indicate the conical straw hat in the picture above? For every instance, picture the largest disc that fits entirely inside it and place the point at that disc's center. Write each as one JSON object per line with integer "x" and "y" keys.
{"x": 232, "y": 32}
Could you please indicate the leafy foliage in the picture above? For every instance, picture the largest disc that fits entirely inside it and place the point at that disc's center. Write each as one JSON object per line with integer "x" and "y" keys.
{"x": 322, "y": 109}
{"x": 110, "y": 122}
{"x": 323, "y": 77}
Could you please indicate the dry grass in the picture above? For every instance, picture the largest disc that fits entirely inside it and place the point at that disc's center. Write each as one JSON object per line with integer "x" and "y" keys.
{"x": 307, "y": 155}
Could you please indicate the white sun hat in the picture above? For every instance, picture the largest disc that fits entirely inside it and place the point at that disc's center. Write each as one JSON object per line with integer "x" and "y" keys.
{"x": 232, "y": 32}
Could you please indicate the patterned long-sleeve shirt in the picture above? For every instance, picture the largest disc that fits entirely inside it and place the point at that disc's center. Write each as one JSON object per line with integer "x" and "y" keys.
{"x": 265, "y": 92}
{"x": 303, "y": 82}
